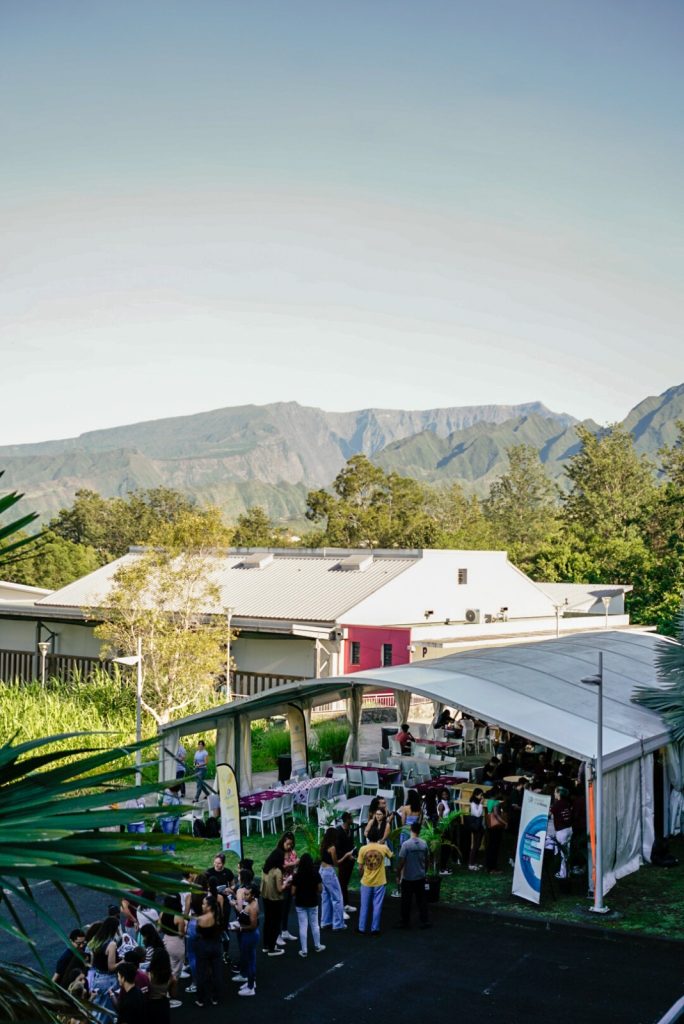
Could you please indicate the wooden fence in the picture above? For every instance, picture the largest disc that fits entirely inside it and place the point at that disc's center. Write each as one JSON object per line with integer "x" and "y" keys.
{"x": 249, "y": 684}
{"x": 23, "y": 666}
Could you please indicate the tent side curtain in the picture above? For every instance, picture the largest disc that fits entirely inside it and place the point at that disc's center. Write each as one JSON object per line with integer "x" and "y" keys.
{"x": 403, "y": 702}
{"x": 675, "y": 772}
{"x": 627, "y": 819}
{"x": 245, "y": 774}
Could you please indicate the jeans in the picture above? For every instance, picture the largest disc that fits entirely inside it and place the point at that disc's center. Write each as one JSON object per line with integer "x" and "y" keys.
{"x": 409, "y": 889}
{"x": 371, "y": 896}
{"x": 170, "y": 827}
{"x": 209, "y": 968}
{"x": 248, "y": 949}
{"x": 101, "y": 985}
{"x": 135, "y": 826}
{"x": 180, "y": 777}
{"x": 190, "y": 944}
{"x": 202, "y": 787}
{"x": 307, "y": 917}
{"x": 332, "y": 907}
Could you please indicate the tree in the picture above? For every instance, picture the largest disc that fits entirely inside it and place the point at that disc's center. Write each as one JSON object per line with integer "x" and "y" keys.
{"x": 112, "y": 525}
{"x": 13, "y": 542}
{"x": 459, "y": 519}
{"x": 254, "y": 529}
{"x": 168, "y": 599}
{"x": 668, "y": 700}
{"x": 53, "y": 804}
{"x": 522, "y": 506}
{"x": 53, "y": 564}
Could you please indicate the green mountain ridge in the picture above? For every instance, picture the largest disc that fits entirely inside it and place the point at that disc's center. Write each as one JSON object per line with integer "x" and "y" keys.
{"x": 271, "y": 455}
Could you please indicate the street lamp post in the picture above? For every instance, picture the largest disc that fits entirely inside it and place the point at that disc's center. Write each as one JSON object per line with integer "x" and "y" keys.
{"x": 597, "y": 681}
{"x": 130, "y": 660}
{"x": 43, "y": 647}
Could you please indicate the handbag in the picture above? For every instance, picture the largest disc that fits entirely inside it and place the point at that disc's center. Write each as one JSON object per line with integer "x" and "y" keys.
{"x": 495, "y": 819}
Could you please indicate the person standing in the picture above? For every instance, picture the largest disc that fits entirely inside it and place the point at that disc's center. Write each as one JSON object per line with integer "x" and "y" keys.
{"x": 332, "y": 905}
{"x": 373, "y": 884}
{"x": 272, "y": 886}
{"x": 201, "y": 764}
{"x": 181, "y": 757}
{"x": 344, "y": 844}
{"x": 413, "y": 860}
{"x": 561, "y": 812}
{"x": 208, "y": 952}
{"x": 248, "y": 921}
{"x": 306, "y": 889}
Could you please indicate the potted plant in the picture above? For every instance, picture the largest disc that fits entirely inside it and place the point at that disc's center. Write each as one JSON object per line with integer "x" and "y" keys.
{"x": 438, "y": 835}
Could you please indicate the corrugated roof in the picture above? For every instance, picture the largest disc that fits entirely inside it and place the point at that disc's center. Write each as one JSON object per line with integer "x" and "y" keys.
{"x": 578, "y": 594}
{"x": 294, "y": 585}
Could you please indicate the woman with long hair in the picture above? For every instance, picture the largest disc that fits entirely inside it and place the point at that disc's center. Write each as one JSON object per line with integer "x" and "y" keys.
{"x": 476, "y": 828}
{"x": 287, "y": 844}
{"x": 248, "y": 920}
{"x": 161, "y": 978}
{"x": 273, "y": 885}
{"x": 208, "y": 952}
{"x": 307, "y": 887}
{"x": 332, "y": 904}
{"x": 378, "y": 828}
{"x": 103, "y": 945}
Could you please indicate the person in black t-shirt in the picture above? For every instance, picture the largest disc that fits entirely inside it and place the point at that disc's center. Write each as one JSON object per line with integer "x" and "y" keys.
{"x": 344, "y": 842}
{"x": 222, "y": 875}
{"x": 130, "y": 1002}
{"x": 69, "y": 960}
{"x": 306, "y": 890}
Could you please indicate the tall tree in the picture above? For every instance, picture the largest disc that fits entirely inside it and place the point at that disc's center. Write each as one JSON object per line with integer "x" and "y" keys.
{"x": 53, "y": 563}
{"x": 254, "y": 529}
{"x": 522, "y": 507}
{"x": 169, "y": 600}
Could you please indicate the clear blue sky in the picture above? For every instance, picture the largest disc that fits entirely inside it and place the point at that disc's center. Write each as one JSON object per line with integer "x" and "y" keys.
{"x": 346, "y": 204}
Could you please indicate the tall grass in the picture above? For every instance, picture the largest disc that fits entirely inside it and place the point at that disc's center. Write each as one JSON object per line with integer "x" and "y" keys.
{"x": 271, "y": 740}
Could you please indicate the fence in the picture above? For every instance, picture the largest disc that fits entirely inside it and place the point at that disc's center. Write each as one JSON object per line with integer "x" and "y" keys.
{"x": 23, "y": 666}
{"x": 249, "y": 684}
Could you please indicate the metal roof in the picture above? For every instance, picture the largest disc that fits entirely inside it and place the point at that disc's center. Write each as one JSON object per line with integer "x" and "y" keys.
{"x": 533, "y": 690}
{"x": 294, "y": 585}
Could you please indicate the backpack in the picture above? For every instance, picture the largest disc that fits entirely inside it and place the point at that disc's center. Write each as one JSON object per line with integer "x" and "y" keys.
{"x": 199, "y": 829}
{"x": 211, "y": 828}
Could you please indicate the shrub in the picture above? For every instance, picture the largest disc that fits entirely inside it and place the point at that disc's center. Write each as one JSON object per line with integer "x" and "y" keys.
{"x": 332, "y": 739}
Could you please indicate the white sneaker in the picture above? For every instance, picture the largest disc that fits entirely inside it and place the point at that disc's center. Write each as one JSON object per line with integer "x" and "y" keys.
{"x": 277, "y": 952}
{"x": 350, "y": 909}
{"x": 346, "y": 916}
{"x": 319, "y": 949}
{"x": 280, "y": 941}
{"x": 396, "y": 895}
{"x": 289, "y": 936}
{"x": 247, "y": 992}
{"x": 303, "y": 954}
{"x": 239, "y": 977}
{"x": 246, "y": 985}
{"x": 175, "y": 1003}
{"x": 184, "y": 974}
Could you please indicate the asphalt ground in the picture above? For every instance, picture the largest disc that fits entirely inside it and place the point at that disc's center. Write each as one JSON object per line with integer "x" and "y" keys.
{"x": 466, "y": 966}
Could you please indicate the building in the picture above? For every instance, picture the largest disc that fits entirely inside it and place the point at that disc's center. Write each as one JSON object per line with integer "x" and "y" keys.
{"x": 302, "y": 614}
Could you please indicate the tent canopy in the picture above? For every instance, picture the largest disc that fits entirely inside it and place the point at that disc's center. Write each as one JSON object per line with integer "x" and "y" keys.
{"x": 533, "y": 690}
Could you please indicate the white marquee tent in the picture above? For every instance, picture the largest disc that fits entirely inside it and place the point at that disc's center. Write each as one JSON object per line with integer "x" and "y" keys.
{"x": 533, "y": 690}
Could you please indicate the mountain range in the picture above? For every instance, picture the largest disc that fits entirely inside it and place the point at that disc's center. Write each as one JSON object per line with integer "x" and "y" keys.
{"x": 271, "y": 455}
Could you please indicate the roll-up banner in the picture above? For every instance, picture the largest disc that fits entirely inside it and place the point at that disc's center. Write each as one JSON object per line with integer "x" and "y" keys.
{"x": 529, "y": 854}
{"x": 231, "y": 834}
{"x": 298, "y": 748}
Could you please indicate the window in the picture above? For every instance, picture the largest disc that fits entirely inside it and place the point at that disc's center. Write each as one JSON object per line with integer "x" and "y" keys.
{"x": 386, "y": 654}
{"x": 355, "y": 652}
{"x": 462, "y": 576}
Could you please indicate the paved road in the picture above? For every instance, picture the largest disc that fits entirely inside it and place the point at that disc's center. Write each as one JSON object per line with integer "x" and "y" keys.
{"x": 466, "y": 967}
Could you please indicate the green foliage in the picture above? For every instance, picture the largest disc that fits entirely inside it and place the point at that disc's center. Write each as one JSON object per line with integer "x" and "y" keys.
{"x": 254, "y": 529}
{"x": 331, "y": 739}
{"x": 54, "y": 804}
{"x": 13, "y": 542}
{"x": 53, "y": 563}
{"x": 269, "y": 740}
{"x": 668, "y": 699}
{"x": 522, "y": 507}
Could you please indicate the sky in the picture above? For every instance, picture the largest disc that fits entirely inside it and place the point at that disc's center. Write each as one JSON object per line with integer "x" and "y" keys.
{"x": 345, "y": 203}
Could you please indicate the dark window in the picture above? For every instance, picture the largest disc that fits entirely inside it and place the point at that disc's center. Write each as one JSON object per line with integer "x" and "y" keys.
{"x": 355, "y": 652}
{"x": 462, "y": 575}
{"x": 387, "y": 654}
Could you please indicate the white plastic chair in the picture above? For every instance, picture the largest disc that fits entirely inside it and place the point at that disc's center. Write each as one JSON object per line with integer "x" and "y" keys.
{"x": 469, "y": 739}
{"x": 324, "y": 767}
{"x": 312, "y": 798}
{"x": 362, "y": 819}
{"x": 370, "y": 780}
{"x": 287, "y": 807}
{"x": 264, "y": 816}
{"x": 383, "y": 755}
{"x": 354, "y": 779}
{"x": 338, "y": 787}
{"x": 395, "y": 746}
{"x": 484, "y": 744}
{"x": 420, "y": 730}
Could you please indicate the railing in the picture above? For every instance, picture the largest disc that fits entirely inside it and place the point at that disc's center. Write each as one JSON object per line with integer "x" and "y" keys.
{"x": 674, "y": 1013}
{"x": 17, "y": 665}
{"x": 249, "y": 684}
{"x": 24, "y": 666}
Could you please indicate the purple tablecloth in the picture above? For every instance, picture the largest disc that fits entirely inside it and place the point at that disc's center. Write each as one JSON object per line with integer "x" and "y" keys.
{"x": 253, "y": 801}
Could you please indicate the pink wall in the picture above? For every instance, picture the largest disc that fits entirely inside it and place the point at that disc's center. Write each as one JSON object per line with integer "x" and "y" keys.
{"x": 371, "y": 639}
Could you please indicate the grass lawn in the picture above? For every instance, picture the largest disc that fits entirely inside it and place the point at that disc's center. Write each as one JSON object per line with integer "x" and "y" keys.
{"x": 648, "y": 902}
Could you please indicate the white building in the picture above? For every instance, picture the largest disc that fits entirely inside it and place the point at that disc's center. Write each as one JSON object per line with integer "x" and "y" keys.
{"x": 301, "y": 614}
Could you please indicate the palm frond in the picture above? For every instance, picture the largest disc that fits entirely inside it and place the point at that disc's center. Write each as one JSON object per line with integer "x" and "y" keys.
{"x": 667, "y": 700}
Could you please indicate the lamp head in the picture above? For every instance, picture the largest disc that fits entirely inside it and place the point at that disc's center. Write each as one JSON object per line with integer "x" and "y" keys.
{"x": 129, "y": 660}
{"x": 591, "y": 680}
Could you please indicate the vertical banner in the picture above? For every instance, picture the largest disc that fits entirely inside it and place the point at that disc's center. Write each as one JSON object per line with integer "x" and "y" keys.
{"x": 297, "y": 725}
{"x": 529, "y": 854}
{"x": 231, "y": 835}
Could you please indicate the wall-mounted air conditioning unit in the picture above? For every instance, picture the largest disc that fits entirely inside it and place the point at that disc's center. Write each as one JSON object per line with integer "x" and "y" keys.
{"x": 473, "y": 615}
